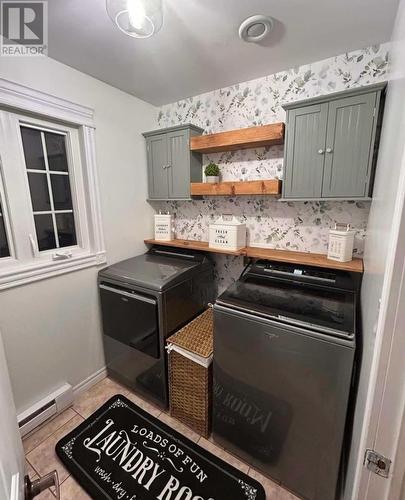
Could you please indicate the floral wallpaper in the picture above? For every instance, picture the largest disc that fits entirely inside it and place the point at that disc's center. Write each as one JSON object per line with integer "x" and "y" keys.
{"x": 301, "y": 226}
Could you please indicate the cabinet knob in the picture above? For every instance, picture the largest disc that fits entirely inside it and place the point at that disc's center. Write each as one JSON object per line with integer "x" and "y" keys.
{"x": 321, "y": 151}
{"x": 329, "y": 150}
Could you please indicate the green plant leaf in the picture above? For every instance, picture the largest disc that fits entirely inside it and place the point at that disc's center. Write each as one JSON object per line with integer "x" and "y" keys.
{"x": 212, "y": 170}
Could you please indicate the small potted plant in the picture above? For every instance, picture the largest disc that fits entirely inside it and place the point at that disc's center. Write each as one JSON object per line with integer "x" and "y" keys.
{"x": 212, "y": 173}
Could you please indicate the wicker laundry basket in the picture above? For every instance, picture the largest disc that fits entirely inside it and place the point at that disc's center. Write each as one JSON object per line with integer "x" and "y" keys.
{"x": 190, "y": 373}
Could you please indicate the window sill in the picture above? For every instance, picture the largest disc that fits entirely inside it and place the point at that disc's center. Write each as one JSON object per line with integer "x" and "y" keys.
{"x": 28, "y": 274}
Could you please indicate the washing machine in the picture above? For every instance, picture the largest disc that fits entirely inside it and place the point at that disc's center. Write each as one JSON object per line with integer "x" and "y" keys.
{"x": 144, "y": 300}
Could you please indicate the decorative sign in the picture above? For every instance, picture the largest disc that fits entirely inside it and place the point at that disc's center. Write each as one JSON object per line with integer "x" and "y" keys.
{"x": 123, "y": 453}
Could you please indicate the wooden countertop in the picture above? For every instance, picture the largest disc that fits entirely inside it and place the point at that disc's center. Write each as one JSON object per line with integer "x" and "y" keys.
{"x": 309, "y": 259}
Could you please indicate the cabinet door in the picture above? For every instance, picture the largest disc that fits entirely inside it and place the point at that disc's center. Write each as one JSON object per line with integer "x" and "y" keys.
{"x": 349, "y": 152}
{"x": 157, "y": 166}
{"x": 178, "y": 164}
{"x": 305, "y": 153}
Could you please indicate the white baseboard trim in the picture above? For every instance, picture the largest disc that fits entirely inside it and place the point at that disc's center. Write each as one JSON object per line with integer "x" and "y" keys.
{"x": 93, "y": 379}
{"x": 82, "y": 386}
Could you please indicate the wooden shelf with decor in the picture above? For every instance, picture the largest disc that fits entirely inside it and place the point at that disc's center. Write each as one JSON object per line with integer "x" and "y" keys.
{"x": 194, "y": 245}
{"x": 245, "y": 138}
{"x": 303, "y": 258}
{"x": 268, "y": 187}
{"x": 309, "y": 259}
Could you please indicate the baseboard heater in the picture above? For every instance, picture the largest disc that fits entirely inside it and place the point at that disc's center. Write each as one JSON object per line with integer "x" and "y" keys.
{"x": 45, "y": 409}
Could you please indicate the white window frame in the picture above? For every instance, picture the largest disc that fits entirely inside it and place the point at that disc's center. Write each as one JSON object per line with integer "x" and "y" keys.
{"x": 20, "y": 105}
{"x": 75, "y": 180}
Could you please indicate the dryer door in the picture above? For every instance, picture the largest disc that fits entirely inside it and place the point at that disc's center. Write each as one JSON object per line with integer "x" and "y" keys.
{"x": 130, "y": 318}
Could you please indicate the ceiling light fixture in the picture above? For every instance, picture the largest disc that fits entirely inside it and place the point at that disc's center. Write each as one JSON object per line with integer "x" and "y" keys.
{"x": 136, "y": 18}
{"x": 255, "y": 28}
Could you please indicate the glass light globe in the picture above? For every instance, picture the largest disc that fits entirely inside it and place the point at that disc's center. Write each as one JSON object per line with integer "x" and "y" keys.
{"x": 136, "y": 18}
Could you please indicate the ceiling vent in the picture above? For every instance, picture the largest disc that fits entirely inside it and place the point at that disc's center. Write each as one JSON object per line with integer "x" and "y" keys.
{"x": 256, "y": 28}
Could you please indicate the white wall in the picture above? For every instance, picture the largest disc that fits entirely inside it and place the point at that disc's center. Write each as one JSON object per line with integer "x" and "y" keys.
{"x": 51, "y": 328}
{"x": 11, "y": 450}
{"x": 399, "y": 480}
{"x": 381, "y": 233}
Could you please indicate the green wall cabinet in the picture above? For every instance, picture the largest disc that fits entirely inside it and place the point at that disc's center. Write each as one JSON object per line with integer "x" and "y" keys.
{"x": 331, "y": 145}
{"x": 171, "y": 164}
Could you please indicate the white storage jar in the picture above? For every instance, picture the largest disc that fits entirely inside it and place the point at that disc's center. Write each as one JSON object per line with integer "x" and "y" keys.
{"x": 163, "y": 227}
{"x": 341, "y": 243}
{"x": 227, "y": 233}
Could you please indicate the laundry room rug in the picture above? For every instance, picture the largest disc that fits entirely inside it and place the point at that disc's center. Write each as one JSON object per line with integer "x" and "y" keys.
{"x": 122, "y": 453}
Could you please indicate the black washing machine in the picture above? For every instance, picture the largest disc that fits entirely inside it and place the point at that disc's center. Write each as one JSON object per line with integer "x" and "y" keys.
{"x": 144, "y": 300}
{"x": 286, "y": 339}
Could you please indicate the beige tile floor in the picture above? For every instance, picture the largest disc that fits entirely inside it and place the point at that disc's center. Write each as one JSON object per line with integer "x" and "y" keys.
{"x": 40, "y": 445}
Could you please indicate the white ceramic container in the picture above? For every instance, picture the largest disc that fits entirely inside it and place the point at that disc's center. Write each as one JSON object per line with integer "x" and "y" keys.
{"x": 341, "y": 243}
{"x": 163, "y": 227}
{"x": 228, "y": 233}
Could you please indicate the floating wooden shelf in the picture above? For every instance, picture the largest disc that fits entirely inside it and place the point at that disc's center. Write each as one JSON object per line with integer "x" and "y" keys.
{"x": 245, "y": 138}
{"x": 309, "y": 259}
{"x": 303, "y": 258}
{"x": 194, "y": 245}
{"x": 269, "y": 187}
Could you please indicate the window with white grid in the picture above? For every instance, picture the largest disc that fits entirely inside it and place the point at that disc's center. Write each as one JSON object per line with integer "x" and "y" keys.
{"x": 50, "y": 219}
{"x": 47, "y": 169}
